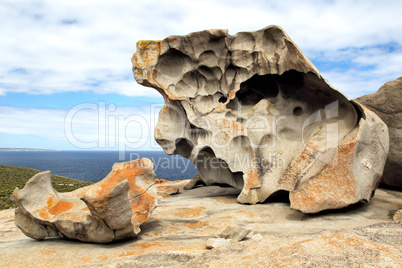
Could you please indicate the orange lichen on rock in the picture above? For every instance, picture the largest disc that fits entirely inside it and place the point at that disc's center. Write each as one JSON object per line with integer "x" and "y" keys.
{"x": 197, "y": 224}
{"x": 142, "y": 207}
{"x": 168, "y": 189}
{"x": 340, "y": 239}
{"x": 398, "y": 216}
{"x": 246, "y": 213}
{"x": 48, "y": 251}
{"x": 187, "y": 213}
{"x": 61, "y": 207}
{"x": 253, "y": 179}
{"x": 150, "y": 51}
{"x": 125, "y": 171}
{"x": 157, "y": 181}
{"x": 333, "y": 187}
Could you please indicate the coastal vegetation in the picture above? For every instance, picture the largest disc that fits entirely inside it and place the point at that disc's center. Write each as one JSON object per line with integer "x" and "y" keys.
{"x": 11, "y": 177}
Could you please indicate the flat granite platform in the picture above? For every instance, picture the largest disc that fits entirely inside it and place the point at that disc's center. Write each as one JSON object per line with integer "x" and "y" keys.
{"x": 363, "y": 235}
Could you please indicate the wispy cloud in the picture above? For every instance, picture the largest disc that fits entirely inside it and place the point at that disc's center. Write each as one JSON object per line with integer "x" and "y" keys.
{"x": 50, "y": 47}
{"x": 55, "y": 46}
{"x": 84, "y": 126}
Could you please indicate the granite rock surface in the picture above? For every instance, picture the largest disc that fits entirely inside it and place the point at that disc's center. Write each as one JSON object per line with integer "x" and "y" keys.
{"x": 387, "y": 104}
{"x": 178, "y": 231}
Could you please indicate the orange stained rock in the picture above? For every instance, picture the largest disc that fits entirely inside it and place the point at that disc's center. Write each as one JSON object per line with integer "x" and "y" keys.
{"x": 295, "y": 247}
{"x": 109, "y": 182}
{"x": 141, "y": 209}
{"x": 167, "y": 189}
{"x": 246, "y": 213}
{"x": 48, "y": 251}
{"x": 56, "y": 208}
{"x": 86, "y": 259}
{"x": 342, "y": 240}
{"x": 335, "y": 182}
{"x": 149, "y": 53}
{"x": 172, "y": 39}
{"x": 253, "y": 179}
{"x": 297, "y": 166}
{"x": 197, "y": 224}
{"x": 44, "y": 212}
{"x": 221, "y": 107}
{"x": 164, "y": 190}
{"x": 232, "y": 126}
{"x": 145, "y": 244}
{"x": 189, "y": 212}
{"x": 158, "y": 132}
{"x": 232, "y": 93}
{"x": 50, "y": 202}
{"x": 60, "y": 207}
{"x": 170, "y": 232}
{"x": 162, "y": 195}
{"x": 161, "y": 181}
{"x": 144, "y": 247}
{"x": 224, "y": 220}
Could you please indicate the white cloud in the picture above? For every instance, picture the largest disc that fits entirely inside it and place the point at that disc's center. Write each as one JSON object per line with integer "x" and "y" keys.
{"x": 367, "y": 68}
{"x": 85, "y": 126}
{"x": 56, "y": 46}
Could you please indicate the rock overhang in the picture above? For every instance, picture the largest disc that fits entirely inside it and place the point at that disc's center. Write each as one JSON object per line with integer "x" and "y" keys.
{"x": 251, "y": 111}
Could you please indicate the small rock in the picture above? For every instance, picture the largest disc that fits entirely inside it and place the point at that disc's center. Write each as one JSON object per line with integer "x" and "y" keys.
{"x": 218, "y": 242}
{"x": 398, "y": 216}
{"x": 236, "y": 233}
{"x": 166, "y": 190}
{"x": 257, "y": 237}
{"x": 193, "y": 182}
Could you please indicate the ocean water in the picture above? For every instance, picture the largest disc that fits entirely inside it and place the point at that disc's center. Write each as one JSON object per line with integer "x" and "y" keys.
{"x": 95, "y": 165}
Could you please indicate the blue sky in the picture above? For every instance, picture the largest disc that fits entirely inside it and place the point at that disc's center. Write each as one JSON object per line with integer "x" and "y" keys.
{"x": 71, "y": 59}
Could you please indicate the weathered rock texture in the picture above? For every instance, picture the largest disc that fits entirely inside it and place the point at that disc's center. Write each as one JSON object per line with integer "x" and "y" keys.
{"x": 387, "y": 104}
{"x": 251, "y": 111}
{"x": 112, "y": 209}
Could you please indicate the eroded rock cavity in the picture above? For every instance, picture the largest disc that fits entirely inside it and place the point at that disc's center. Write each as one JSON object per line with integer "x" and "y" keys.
{"x": 110, "y": 210}
{"x": 251, "y": 111}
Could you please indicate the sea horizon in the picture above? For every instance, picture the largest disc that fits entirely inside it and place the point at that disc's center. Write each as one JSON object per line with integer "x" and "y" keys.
{"x": 94, "y": 165}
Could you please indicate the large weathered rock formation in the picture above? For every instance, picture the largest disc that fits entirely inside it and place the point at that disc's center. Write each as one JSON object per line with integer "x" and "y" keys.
{"x": 110, "y": 210}
{"x": 387, "y": 104}
{"x": 251, "y": 111}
